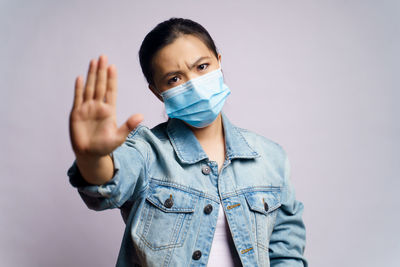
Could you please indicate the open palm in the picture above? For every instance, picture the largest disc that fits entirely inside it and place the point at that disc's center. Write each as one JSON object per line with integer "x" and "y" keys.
{"x": 93, "y": 126}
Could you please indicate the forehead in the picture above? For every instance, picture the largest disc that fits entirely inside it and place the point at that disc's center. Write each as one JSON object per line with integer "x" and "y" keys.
{"x": 185, "y": 50}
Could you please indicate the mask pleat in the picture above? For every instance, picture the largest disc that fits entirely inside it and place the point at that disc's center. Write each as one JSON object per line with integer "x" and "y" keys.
{"x": 198, "y": 101}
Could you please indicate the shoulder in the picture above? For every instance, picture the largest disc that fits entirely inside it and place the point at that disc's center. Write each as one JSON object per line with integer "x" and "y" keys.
{"x": 144, "y": 132}
{"x": 146, "y": 135}
{"x": 264, "y": 146}
{"x": 272, "y": 158}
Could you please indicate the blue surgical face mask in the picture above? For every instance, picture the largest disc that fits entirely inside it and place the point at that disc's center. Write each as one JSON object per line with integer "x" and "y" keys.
{"x": 198, "y": 101}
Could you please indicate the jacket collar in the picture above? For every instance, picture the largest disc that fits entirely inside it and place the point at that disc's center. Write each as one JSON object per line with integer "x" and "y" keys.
{"x": 189, "y": 150}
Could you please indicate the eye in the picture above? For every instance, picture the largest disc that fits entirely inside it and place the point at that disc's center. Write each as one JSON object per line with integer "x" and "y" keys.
{"x": 203, "y": 66}
{"x": 173, "y": 80}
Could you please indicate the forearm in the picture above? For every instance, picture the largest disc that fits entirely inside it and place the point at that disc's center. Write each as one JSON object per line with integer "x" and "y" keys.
{"x": 288, "y": 239}
{"x": 96, "y": 170}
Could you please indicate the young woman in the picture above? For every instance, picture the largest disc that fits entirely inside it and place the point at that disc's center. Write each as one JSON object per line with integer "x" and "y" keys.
{"x": 195, "y": 190}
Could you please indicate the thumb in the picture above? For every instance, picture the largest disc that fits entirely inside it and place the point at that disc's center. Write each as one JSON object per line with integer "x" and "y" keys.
{"x": 129, "y": 125}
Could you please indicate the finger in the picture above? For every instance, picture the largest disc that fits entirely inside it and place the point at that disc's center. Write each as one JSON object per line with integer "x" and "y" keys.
{"x": 90, "y": 80}
{"x": 129, "y": 125}
{"x": 78, "y": 98}
{"x": 111, "y": 93}
{"x": 101, "y": 79}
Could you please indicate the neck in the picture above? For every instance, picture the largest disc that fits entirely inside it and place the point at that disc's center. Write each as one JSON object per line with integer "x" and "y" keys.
{"x": 210, "y": 133}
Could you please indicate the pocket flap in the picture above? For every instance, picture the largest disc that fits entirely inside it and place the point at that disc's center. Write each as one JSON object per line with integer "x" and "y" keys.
{"x": 264, "y": 201}
{"x": 170, "y": 199}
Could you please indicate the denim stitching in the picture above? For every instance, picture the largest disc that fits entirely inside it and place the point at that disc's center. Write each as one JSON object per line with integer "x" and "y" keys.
{"x": 252, "y": 189}
{"x": 183, "y": 221}
{"x": 185, "y": 188}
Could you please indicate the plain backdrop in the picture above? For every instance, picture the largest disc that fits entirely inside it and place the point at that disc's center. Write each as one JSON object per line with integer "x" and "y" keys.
{"x": 321, "y": 78}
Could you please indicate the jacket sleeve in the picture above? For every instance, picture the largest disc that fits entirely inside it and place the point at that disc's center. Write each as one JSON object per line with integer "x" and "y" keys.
{"x": 288, "y": 238}
{"x": 129, "y": 178}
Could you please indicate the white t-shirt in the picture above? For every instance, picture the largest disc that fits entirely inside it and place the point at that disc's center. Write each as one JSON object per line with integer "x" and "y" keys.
{"x": 223, "y": 251}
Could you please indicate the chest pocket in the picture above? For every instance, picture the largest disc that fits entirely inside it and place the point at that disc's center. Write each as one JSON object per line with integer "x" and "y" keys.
{"x": 166, "y": 217}
{"x": 263, "y": 207}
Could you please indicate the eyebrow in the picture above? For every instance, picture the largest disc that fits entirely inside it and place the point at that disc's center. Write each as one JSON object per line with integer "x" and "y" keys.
{"x": 190, "y": 67}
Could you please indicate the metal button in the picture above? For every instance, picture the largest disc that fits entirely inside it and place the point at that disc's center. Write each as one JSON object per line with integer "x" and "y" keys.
{"x": 208, "y": 209}
{"x": 266, "y": 206}
{"x": 169, "y": 202}
{"x": 205, "y": 170}
{"x": 196, "y": 255}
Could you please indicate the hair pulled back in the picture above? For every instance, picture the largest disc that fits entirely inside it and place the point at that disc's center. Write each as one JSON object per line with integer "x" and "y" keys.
{"x": 164, "y": 34}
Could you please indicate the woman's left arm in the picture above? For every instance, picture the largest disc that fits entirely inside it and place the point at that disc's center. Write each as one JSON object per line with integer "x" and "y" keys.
{"x": 288, "y": 239}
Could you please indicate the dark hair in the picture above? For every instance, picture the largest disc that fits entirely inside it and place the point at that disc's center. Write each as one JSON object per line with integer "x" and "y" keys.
{"x": 165, "y": 33}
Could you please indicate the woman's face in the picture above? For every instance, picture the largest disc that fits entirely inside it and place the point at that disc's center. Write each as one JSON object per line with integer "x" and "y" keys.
{"x": 184, "y": 59}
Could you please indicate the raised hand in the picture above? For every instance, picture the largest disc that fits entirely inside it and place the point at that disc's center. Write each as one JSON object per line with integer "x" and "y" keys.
{"x": 93, "y": 127}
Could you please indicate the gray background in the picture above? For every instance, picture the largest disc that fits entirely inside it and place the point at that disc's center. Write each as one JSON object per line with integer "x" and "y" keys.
{"x": 318, "y": 77}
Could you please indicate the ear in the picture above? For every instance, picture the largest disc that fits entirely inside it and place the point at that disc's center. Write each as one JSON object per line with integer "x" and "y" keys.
{"x": 155, "y": 92}
{"x": 219, "y": 59}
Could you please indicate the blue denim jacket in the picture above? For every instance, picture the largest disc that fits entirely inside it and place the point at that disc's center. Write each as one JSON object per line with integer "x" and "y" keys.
{"x": 163, "y": 182}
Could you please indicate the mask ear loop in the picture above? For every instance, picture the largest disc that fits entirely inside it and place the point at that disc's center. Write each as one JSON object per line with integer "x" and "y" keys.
{"x": 220, "y": 66}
